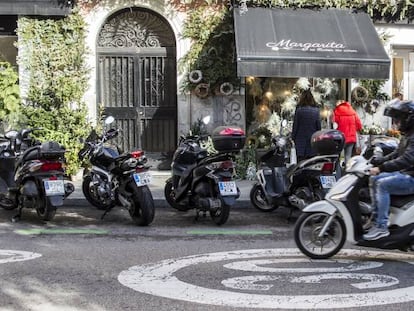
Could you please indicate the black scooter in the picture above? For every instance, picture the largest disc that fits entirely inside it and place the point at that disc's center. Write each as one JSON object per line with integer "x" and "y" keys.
{"x": 297, "y": 185}
{"x": 117, "y": 178}
{"x": 32, "y": 176}
{"x": 205, "y": 182}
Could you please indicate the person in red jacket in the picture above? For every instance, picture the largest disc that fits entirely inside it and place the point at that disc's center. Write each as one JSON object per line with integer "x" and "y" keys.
{"x": 349, "y": 124}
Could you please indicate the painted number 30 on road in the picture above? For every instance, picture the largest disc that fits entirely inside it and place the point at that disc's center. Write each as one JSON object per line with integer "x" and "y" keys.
{"x": 262, "y": 274}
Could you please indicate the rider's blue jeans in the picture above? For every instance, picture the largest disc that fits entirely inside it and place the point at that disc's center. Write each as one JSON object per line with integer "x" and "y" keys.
{"x": 382, "y": 186}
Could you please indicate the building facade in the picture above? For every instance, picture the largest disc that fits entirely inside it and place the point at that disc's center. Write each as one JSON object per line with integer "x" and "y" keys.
{"x": 135, "y": 48}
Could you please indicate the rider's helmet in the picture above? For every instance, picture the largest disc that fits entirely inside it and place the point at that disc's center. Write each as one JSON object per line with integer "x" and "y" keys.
{"x": 402, "y": 112}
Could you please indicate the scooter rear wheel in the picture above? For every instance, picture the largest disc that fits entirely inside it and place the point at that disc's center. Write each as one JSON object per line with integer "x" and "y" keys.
{"x": 221, "y": 214}
{"x": 259, "y": 201}
{"x": 143, "y": 209}
{"x": 170, "y": 197}
{"x": 44, "y": 209}
{"x": 307, "y": 229}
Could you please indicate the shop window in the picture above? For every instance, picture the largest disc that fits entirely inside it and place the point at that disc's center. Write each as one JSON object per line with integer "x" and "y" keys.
{"x": 268, "y": 98}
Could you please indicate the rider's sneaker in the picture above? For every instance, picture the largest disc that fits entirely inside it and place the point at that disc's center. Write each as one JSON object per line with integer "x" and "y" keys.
{"x": 375, "y": 233}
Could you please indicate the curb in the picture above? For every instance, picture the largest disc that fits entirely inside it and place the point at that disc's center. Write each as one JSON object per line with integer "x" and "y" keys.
{"x": 159, "y": 203}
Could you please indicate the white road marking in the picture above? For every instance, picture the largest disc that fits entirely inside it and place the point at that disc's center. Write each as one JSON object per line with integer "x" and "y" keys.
{"x": 250, "y": 282}
{"x": 12, "y": 256}
{"x": 159, "y": 279}
{"x": 254, "y": 265}
{"x": 374, "y": 280}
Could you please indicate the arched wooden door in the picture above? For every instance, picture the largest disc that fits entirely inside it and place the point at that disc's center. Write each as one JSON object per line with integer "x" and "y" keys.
{"x": 137, "y": 79}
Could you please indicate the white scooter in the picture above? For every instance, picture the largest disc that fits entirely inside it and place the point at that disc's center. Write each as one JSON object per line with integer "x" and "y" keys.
{"x": 321, "y": 230}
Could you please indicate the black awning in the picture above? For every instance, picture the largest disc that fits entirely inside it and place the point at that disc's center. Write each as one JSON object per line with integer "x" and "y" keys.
{"x": 308, "y": 43}
{"x": 35, "y": 7}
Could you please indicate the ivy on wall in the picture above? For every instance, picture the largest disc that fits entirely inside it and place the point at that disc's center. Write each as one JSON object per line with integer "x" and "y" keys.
{"x": 53, "y": 54}
{"x": 9, "y": 96}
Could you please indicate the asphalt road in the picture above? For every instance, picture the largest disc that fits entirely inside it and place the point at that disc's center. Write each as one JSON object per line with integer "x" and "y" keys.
{"x": 80, "y": 262}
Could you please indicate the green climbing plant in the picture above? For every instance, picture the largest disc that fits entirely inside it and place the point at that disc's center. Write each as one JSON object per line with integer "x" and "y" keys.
{"x": 54, "y": 54}
{"x": 10, "y": 102}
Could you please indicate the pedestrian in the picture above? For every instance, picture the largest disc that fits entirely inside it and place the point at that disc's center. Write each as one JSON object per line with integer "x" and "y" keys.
{"x": 307, "y": 120}
{"x": 349, "y": 123}
{"x": 394, "y": 173}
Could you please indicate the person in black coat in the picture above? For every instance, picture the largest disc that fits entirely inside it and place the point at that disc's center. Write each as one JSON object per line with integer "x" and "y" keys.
{"x": 307, "y": 121}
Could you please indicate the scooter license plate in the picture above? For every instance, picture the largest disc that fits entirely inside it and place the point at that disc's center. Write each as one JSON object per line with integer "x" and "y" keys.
{"x": 142, "y": 179}
{"x": 54, "y": 187}
{"x": 328, "y": 181}
{"x": 227, "y": 188}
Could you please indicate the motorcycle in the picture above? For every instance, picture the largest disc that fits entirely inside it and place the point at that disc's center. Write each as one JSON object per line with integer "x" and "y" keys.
{"x": 116, "y": 178}
{"x": 32, "y": 175}
{"x": 297, "y": 185}
{"x": 324, "y": 226}
{"x": 205, "y": 182}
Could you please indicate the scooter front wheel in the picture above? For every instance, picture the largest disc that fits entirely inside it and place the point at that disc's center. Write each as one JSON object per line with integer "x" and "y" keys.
{"x": 92, "y": 197}
{"x": 259, "y": 201}
{"x": 170, "y": 196}
{"x": 306, "y": 233}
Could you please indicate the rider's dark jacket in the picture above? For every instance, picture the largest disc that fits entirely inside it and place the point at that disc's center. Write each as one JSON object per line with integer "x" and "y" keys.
{"x": 402, "y": 159}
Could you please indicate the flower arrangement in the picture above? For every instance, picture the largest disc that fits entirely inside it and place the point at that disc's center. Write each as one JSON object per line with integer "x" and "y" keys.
{"x": 260, "y": 138}
{"x": 394, "y": 133}
{"x": 372, "y": 130}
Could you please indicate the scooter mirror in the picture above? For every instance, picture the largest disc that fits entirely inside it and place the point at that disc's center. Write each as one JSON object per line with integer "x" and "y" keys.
{"x": 109, "y": 120}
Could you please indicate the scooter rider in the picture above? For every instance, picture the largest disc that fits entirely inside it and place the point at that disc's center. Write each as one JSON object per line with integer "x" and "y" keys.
{"x": 394, "y": 173}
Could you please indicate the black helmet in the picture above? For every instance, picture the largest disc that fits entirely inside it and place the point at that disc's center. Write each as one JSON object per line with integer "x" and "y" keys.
{"x": 402, "y": 111}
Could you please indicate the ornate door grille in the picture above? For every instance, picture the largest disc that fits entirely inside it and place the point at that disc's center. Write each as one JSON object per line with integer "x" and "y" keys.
{"x": 137, "y": 79}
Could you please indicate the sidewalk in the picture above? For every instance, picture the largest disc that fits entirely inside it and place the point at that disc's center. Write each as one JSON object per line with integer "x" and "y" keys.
{"x": 157, "y": 189}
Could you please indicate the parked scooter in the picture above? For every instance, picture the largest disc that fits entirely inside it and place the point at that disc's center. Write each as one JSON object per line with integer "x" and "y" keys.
{"x": 205, "y": 182}
{"x": 297, "y": 185}
{"x": 32, "y": 176}
{"x": 117, "y": 178}
{"x": 324, "y": 226}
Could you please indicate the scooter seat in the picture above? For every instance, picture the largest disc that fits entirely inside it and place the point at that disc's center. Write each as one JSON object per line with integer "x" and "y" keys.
{"x": 401, "y": 200}
{"x": 32, "y": 153}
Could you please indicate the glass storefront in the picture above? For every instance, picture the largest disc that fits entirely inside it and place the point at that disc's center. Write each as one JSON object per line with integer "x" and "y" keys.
{"x": 277, "y": 97}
